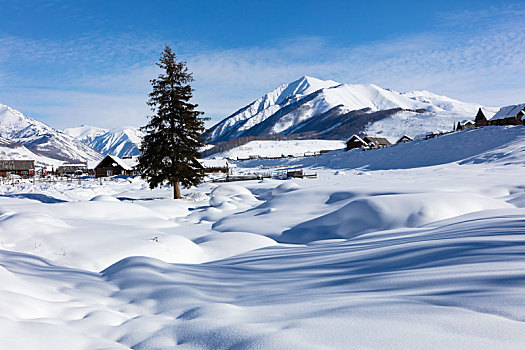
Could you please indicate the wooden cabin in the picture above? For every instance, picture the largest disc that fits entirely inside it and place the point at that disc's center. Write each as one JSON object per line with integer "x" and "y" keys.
{"x": 113, "y": 165}
{"x": 465, "y": 124}
{"x": 509, "y": 115}
{"x": 355, "y": 142}
{"x": 404, "y": 139}
{"x": 377, "y": 141}
{"x": 480, "y": 120}
{"x": 24, "y": 168}
{"x": 215, "y": 165}
{"x": 72, "y": 169}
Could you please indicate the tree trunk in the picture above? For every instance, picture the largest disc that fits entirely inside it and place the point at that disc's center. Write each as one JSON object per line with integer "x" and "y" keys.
{"x": 176, "y": 190}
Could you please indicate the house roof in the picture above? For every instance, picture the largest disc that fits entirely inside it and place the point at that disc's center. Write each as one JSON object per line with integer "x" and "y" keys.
{"x": 378, "y": 140}
{"x": 213, "y": 163}
{"x": 405, "y": 137}
{"x": 356, "y": 138}
{"x": 508, "y": 111}
{"x": 126, "y": 164}
{"x": 480, "y": 116}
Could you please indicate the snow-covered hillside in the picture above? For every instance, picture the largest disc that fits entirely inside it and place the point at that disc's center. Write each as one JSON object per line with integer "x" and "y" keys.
{"x": 42, "y": 139}
{"x": 120, "y": 142}
{"x": 85, "y": 133}
{"x": 10, "y": 150}
{"x": 295, "y": 148}
{"x": 409, "y": 247}
{"x": 330, "y": 109}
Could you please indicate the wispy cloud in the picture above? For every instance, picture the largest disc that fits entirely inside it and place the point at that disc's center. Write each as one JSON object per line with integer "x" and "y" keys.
{"x": 476, "y": 57}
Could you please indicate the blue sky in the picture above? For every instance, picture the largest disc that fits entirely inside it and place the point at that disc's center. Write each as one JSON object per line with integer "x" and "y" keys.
{"x": 89, "y": 62}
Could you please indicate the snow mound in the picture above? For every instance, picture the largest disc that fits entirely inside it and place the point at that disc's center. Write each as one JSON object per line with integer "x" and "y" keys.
{"x": 385, "y": 212}
{"x": 285, "y": 187}
{"x": 104, "y": 198}
{"x": 227, "y": 196}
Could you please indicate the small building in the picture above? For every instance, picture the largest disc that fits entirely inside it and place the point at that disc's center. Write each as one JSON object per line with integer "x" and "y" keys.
{"x": 22, "y": 168}
{"x": 404, "y": 139}
{"x": 72, "y": 169}
{"x": 295, "y": 174}
{"x": 215, "y": 165}
{"x": 509, "y": 115}
{"x": 466, "y": 124}
{"x": 481, "y": 119}
{"x": 113, "y": 165}
{"x": 377, "y": 141}
{"x": 355, "y": 142}
{"x": 431, "y": 135}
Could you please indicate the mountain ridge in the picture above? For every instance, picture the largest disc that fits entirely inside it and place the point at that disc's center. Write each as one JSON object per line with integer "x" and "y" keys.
{"x": 291, "y": 107}
{"x": 41, "y": 139}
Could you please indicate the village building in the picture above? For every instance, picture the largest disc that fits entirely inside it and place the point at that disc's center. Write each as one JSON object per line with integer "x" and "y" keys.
{"x": 481, "y": 119}
{"x": 219, "y": 165}
{"x": 22, "y": 168}
{"x": 377, "y": 141}
{"x": 355, "y": 142}
{"x": 404, "y": 139}
{"x": 509, "y": 115}
{"x": 366, "y": 142}
{"x": 465, "y": 124}
{"x": 113, "y": 165}
{"x": 72, "y": 169}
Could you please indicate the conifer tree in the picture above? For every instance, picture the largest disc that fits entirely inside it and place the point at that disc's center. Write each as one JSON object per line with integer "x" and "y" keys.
{"x": 169, "y": 149}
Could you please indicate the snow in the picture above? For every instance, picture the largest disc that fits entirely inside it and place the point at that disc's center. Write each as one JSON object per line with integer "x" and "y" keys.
{"x": 265, "y": 148}
{"x": 120, "y": 142}
{"x": 214, "y": 163}
{"x": 418, "y": 245}
{"x": 508, "y": 111}
{"x": 85, "y": 133}
{"x": 42, "y": 139}
{"x": 262, "y": 108}
{"x": 285, "y": 108}
{"x": 126, "y": 164}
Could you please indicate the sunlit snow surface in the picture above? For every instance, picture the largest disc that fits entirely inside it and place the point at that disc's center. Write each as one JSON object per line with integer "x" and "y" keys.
{"x": 420, "y": 245}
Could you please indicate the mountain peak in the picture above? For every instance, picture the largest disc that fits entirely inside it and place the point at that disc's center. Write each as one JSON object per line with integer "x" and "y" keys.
{"x": 41, "y": 139}
{"x": 313, "y": 106}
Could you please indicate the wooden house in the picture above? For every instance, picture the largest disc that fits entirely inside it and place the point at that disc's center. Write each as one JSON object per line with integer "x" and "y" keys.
{"x": 215, "y": 165}
{"x": 113, "y": 165}
{"x": 404, "y": 139}
{"x": 466, "y": 124}
{"x": 355, "y": 142}
{"x": 509, "y": 115}
{"x": 22, "y": 168}
{"x": 480, "y": 120}
{"x": 72, "y": 169}
{"x": 377, "y": 141}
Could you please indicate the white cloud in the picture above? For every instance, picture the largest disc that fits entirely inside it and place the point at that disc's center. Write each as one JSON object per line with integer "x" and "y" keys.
{"x": 105, "y": 81}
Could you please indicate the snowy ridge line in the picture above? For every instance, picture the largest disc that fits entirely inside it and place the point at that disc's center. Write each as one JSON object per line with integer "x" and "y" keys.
{"x": 287, "y": 109}
{"x": 42, "y": 139}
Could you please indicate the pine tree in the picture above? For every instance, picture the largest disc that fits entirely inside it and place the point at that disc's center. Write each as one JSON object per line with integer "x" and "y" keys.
{"x": 169, "y": 149}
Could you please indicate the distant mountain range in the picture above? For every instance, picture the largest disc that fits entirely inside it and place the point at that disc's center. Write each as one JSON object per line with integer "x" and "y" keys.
{"x": 307, "y": 108}
{"x": 40, "y": 139}
{"x": 313, "y": 108}
{"x": 120, "y": 142}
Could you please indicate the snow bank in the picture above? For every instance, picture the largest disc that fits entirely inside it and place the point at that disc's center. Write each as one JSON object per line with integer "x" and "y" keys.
{"x": 388, "y": 212}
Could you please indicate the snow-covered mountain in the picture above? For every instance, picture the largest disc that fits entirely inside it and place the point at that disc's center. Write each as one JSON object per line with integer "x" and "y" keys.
{"x": 327, "y": 109}
{"x": 41, "y": 139}
{"x": 123, "y": 142}
{"x": 85, "y": 133}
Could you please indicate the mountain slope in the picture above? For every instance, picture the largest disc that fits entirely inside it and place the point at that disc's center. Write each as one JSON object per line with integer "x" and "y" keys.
{"x": 328, "y": 109}
{"x": 42, "y": 139}
{"x": 85, "y": 133}
{"x": 123, "y": 142}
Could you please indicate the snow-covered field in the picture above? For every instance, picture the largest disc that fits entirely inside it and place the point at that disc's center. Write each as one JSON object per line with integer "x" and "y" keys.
{"x": 266, "y": 148}
{"x": 421, "y": 245}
